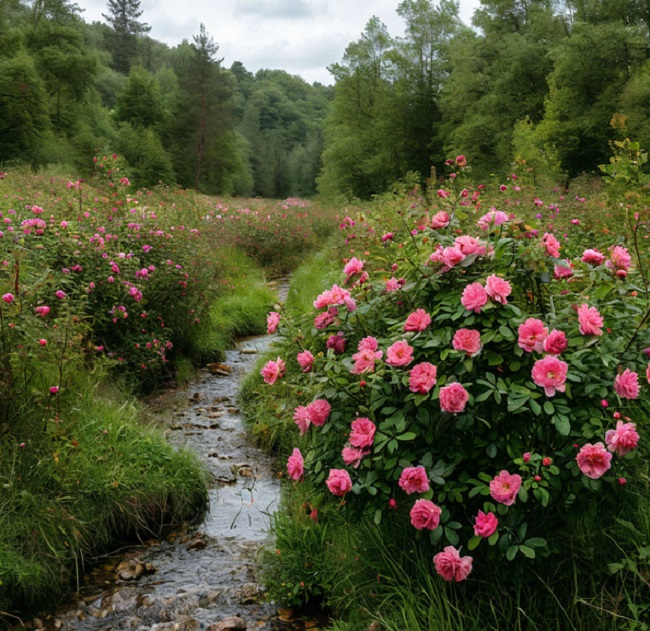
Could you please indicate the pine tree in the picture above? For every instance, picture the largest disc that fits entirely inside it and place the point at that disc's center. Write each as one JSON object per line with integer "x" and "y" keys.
{"x": 123, "y": 18}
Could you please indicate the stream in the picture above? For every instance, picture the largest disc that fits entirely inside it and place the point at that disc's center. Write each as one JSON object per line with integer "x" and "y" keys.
{"x": 206, "y": 577}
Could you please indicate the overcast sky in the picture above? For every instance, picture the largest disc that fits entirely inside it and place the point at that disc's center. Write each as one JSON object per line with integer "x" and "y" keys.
{"x": 300, "y": 36}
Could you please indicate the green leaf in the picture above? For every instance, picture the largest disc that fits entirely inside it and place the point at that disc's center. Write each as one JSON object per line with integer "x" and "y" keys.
{"x": 526, "y": 551}
{"x": 512, "y": 552}
{"x": 377, "y": 517}
{"x": 407, "y": 436}
{"x": 562, "y": 425}
{"x": 612, "y": 568}
{"x": 473, "y": 542}
{"x": 493, "y": 538}
{"x": 535, "y": 407}
{"x": 452, "y": 536}
{"x": 549, "y": 408}
{"x": 536, "y": 542}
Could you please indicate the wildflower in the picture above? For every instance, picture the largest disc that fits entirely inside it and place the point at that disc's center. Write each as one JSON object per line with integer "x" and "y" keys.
{"x": 425, "y": 515}
{"x": 467, "y": 340}
{"x": 273, "y": 370}
{"x": 414, "y": 480}
{"x": 474, "y": 297}
{"x": 295, "y": 465}
{"x": 339, "y": 482}
{"x": 532, "y": 334}
{"x": 550, "y": 373}
{"x": 626, "y": 384}
{"x": 453, "y": 398}
{"x": 422, "y": 377}
{"x": 504, "y": 488}
{"x": 363, "y": 433}
{"x": 594, "y": 460}
{"x": 399, "y": 354}
{"x": 451, "y": 566}
{"x": 417, "y": 321}
{"x": 590, "y": 320}
{"x": 623, "y": 439}
{"x": 485, "y": 524}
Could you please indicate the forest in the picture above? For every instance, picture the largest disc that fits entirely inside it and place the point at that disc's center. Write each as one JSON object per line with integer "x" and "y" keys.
{"x": 533, "y": 82}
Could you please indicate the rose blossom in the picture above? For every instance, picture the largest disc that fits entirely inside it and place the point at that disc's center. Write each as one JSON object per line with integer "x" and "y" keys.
{"x": 590, "y": 320}
{"x": 620, "y": 258}
{"x": 364, "y": 361}
{"x": 414, "y": 480}
{"x": 467, "y": 340}
{"x": 453, "y": 398}
{"x": 318, "y": 411}
{"x": 352, "y": 456}
{"x": 491, "y": 219}
{"x": 368, "y": 344}
{"x": 363, "y": 433}
{"x": 399, "y": 354}
{"x": 469, "y": 245}
{"x": 354, "y": 266}
{"x": 440, "y": 220}
{"x": 594, "y": 257}
{"x": 474, "y": 297}
{"x": 594, "y": 460}
{"x": 555, "y": 343}
{"x": 627, "y": 384}
{"x": 42, "y": 311}
{"x": 306, "y": 360}
{"x": 498, "y": 289}
{"x": 301, "y": 416}
{"x": 323, "y": 320}
{"x": 485, "y": 524}
{"x": 623, "y": 439}
{"x": 532, "y": 334}
{"x": 562, "y": 271}
{"x": 422, "y": 377}
{"x": 551, "y": 245}
{"x": 417, "y": 321}
{"x": 8, "y": 298}
{"x": 339, "y": 482}
{"x": 451, "y": 566}
{"x": 425, "y": 514}
{"x": 451, "y": 256}
{"x": 336, "y": 343}
{"x": 504, "y": 488}
{"x": 392, "y": 285}
{"x": 295, "y": 466}
{"x": 273, "y": 370}
{"x": 272, "y": 321}
{"x": 550, "y": 374}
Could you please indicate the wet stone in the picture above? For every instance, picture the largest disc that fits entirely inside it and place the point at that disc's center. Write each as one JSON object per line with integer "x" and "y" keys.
{"x": 229, "y": 624}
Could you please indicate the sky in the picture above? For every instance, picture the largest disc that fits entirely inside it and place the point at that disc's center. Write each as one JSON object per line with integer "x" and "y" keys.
{"x": 301, "y": 37}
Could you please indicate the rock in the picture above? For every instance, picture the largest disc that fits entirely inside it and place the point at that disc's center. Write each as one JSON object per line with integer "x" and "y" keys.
{"x": 197, "y": 396}
{"x": 249, "y": 351}
{"x": 130, "y": 570}
{"x": 220, "y": 369}
{"x": 197, "y": 544}
{"x": 220, "y": 400}
{"x": 57, "y": 623}
{"x": 228, "y": 624}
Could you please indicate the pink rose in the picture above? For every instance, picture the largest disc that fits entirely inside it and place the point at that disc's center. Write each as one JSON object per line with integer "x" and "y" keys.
{"x": 550, "y": 374}
{"x": 363, "y": 433}
{"x": 594, "y": 460}
{"x": 440, "y": 220}
{"x": 498, "y": 289}
{"x": 301, "y": 416}
{"x": 414, "y": 480}
{"x": 323, "y": 320}
{"x": 532, "y": 334}
{"x": 453, "y": 398}
{"x": 491, "y": 219}
{"x": 339, "y": 482}
{"x": 8, "y": 298}
{"x": 54, "y": 390}
{"x": 593, "y": 257}
{"x": 627, "y": 384}
{"x": 555, "y": 343}
{"x": 562, "y": 271}
{"x": 399, "y": 354}
{"x": 364, "y": 361}
{"x": 272, "y": 321}
{"x": 485, "y": 524}
{"x": 60, "y": 294}
{"x": 620, "y": 258}
{"x": 467, "y": 340}
{"x": 273, "y": 370}
{"x": 353, "y": 266}
{"x": 451, "y": 256}
{"x": 368, "y": 344}
{"x": 551, "y": 245}
{"x": 425, "y": 514}
{"x": 352, "y": 456}
{"x": 422, "y": 377}
{"x": 392, "y": 285}
{"x": 306, "y": 360}
{"x": 318, "y": 411}
{"x": 474, "y": 297}
{"x": 504, "y": 488}
{"x": 42, "y": 311}
{"x": 451, "y": 566}
{"x": 295, "y": 465}
{"x": 590, "y": 320}
{"x": 417, "y": 321}
{"x": 469, "y": 245}
{"x": 623, "y": 439}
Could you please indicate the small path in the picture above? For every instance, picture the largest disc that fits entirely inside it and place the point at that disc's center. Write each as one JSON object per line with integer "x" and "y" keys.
{"x": 195, "y": 580}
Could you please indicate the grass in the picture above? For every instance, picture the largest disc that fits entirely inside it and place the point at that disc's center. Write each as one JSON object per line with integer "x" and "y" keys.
{"x": 97, "y": 477}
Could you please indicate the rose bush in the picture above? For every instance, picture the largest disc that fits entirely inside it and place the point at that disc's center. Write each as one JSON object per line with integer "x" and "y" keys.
{"x": 492, "y": 387}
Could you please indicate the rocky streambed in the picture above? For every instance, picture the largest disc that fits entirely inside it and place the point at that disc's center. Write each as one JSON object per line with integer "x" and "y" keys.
{"x": 206, "y": 577}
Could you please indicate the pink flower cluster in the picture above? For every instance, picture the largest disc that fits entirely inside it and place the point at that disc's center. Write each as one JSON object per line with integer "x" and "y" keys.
{"x": 364, "y": 360}
{"x": 273, "y": 370}
{"x": 316, "y": 413}
{"x": 475, "y": 296}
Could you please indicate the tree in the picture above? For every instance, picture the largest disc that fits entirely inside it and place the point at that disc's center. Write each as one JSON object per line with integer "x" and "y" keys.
{"x": 123, "y": 17}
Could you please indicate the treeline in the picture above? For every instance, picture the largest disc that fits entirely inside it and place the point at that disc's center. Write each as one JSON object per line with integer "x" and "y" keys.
{"x": 535, "y": 83}
{"x": 70, "y": 90}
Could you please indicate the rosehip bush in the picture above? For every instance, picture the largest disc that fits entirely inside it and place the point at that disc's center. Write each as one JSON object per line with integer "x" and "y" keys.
{"x": 481, "y": 376}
